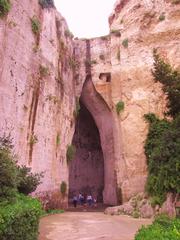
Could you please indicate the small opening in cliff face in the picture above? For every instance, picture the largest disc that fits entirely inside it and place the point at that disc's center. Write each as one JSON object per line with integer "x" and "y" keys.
{"x": 86, "y": 171}
{"x": 106, "y": 77}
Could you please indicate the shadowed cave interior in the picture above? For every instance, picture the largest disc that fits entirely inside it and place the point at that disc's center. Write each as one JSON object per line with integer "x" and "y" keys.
{"x": 86, "y": 171}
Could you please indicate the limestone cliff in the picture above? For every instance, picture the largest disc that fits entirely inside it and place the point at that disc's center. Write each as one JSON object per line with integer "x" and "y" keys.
{"x": 42, "y": 76}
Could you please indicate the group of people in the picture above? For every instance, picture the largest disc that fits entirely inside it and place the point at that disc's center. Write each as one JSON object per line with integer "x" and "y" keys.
{"x": 82, "y": 200}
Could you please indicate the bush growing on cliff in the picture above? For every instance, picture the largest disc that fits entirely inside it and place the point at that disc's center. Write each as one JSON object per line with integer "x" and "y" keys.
{"x": 170, "y": 79}
{"x": 71, "y": 150}
{"x": 35, "y": 25}
{"x": 119, "y": 107}
{"x": 63, "y": 188}
{"x": 4, "y": 7}
{"x": 46, "y": 3}
{"x": 162, "y": 147}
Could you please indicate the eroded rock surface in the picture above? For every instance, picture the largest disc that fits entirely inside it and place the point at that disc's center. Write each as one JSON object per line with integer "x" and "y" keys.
{"x": 42, "y": 76}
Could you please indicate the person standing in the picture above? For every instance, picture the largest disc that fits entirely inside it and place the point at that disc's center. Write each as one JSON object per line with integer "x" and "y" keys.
{"x": 75, "y": 199}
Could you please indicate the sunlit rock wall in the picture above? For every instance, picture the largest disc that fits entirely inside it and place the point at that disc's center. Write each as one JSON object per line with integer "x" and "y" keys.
{"x": 37, "y": 95}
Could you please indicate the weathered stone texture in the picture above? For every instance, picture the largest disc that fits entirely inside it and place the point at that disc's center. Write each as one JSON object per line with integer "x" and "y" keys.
{"x": 37, "y": 108}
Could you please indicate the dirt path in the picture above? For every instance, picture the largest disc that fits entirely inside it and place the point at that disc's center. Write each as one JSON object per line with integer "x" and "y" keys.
{"x": 89, "y": 226}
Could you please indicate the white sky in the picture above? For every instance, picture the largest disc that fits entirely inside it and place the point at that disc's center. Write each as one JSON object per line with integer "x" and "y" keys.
{"x": 86, "y": 18}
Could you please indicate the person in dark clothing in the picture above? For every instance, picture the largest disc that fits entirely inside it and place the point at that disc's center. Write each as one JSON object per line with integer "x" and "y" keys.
{"x": 75, "y": 199}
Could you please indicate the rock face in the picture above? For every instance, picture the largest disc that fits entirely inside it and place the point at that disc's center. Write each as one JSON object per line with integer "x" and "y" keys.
{"x": 42, "y": 75}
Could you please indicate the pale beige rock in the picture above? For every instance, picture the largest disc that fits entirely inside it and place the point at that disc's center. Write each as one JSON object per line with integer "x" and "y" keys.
{"x": 168, "y": 206}
{"x": 32, "y": 106}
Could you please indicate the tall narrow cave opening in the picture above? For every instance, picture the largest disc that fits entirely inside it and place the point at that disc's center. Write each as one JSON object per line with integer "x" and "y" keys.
{"x": 86, "y": 170}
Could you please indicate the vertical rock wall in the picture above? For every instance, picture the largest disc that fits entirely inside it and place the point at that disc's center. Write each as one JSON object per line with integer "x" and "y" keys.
{"x": 41, "y": 76}
{"x": 37, "y": 95}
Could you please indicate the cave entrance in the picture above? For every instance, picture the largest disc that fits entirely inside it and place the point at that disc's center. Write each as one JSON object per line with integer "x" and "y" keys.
{"x": 86, "y": 172}
{"x": 93, "y": 168}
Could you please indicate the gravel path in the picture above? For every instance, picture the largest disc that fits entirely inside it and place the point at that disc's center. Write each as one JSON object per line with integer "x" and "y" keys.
{"x": 89, "y": 226}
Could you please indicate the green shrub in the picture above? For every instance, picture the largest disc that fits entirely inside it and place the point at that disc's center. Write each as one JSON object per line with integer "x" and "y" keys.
{"x": 46, "y": 3}
{"x": 155, "y": 200}
{"x": 35, "y": 25}
{"x": 162, "y": 228}
{"x": 8, "y": 175}
{"x": 116, "y": 32}
{"x": 125, "y": 43}
{"x": 77, "y": 108}
{"x": 63, "y": 188}
{"x": 119, "y": 107}
{"x": 14, "y": 178}
{"x": 162, "y": 17}
{"x": 69, "y": 34}
{"x": 58, "y": 140}
{"x": 71, "y": 150}
{"x": 102, "y": 57}
{"x": 33, "y": 140}
{"x": 89, "y": 63}
{"x": 27, "y": 181}
{"x": 73, "y": 63}
{"x": 162, "y": 147}
{"x": 20, "y": 220}
{"x": 4, "y": 7}
{"x": 170, "y": 79}
{"x": 43, "y": 71}
{"x": 136, "y": 214}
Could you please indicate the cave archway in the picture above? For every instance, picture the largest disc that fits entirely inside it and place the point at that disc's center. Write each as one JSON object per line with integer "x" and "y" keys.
{"x": 94, "y": 164}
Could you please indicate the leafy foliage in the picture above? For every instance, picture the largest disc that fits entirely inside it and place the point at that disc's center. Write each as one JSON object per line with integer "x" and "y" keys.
{"x": 162, "y": 147}
{"x": 119, "y": 107}
{"x": 14, "y": 178}
{"x": 4, "y": 7}
{"x": 27, "y": 181}
{"x": 35, "y": 25}
{"x": 170, "y": 79}
{"x": 125, "y": 43}
{"x": 20, "y": 220}
{"x": 46, "y": 3}
{"x": 71, "y": 150}
{"x": 161, "y": 229}
{"x": 63, "y": 188}
{"x": 43, "y": 71}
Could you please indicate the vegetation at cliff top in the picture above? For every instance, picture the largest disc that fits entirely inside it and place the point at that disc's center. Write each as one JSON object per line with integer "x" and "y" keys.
{"x": 4, "y": 7}
{"x": 46, "y": 3}
{"x": 162, "y": 147}
{"x": 161, "y": 229}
